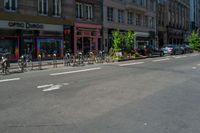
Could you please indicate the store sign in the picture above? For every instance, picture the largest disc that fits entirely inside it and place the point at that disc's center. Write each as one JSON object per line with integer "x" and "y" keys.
{"x": 25, "y": 25}
{"x": 30, "y": 26}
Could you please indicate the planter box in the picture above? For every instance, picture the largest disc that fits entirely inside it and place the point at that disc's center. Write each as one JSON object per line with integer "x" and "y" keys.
{"x": 118, "y": 54}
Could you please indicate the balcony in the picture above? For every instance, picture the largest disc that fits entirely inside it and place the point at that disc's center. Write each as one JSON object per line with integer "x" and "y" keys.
{"x": 130, "y": 5}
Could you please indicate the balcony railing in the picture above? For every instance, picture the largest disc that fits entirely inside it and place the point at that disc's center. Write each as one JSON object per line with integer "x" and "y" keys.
{"x": 135, "y": 6}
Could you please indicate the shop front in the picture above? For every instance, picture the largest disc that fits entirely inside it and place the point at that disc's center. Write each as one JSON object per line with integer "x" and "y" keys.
{"x": 142, "y": 39}
{"x": 175, "y": 36}
{"x": 10, "y": 45}
{"x": 87, "y": 37}
{"x": 18, "y": 38}
{"x": 49, "y": 47}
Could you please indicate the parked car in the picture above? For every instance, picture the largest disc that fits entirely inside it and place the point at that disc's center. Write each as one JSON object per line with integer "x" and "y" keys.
{"x": 171, "y": 49}
{"x": 152, "y": 50}
{"x": 149, "y": 50}
{"x": 186, "y": 49}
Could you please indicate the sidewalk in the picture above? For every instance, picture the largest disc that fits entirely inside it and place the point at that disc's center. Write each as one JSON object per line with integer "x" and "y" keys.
{"x": 49, "y": 64}
{"x": 45, "y": 65}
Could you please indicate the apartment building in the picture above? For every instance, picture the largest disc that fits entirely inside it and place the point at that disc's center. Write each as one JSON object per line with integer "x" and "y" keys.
{"x": 173, "y": 21}
{"x": 36, "y": 27}
{"x": 129, "y": 15}
{"x": 88, "y": 26}
{"x": 194, "y": 14}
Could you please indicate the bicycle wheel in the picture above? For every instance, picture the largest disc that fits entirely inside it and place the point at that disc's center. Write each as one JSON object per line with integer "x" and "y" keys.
{"x": 29, "y": 65}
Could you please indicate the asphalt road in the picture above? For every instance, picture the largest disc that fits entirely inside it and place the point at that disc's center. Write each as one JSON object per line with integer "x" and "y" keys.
{"x": 157, "y": 95}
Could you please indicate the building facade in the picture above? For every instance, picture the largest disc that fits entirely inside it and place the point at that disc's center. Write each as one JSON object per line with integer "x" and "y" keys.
{"x": 128, "y": 15}
{"x": 172, "y": 21}
{"x": 88, "y": 26}
{"x": 36, "y": 27}
{"x": 194, "y": 14}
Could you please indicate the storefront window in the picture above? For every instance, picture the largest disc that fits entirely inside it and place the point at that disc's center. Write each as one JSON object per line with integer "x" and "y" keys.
{"x": 79, "y": 44}
{"x": 10, "y": 46}
{"x": 47, "y": 47}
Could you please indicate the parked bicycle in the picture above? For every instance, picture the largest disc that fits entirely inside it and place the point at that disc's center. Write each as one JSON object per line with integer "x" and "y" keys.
{"x": 25, "y": 63}
{"x": 80, "y": 58}
{"x": 67, "y": 59}
{"x": 100, "y": 57}
{"x": 5, "y": 64}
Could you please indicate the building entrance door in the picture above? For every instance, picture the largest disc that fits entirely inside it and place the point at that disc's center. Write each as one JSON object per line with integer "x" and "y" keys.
{"x": 86, "y": 45}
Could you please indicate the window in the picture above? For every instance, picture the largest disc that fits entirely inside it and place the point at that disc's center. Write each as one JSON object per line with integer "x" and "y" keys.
{"x": 110, "y": 14}
{"x": 43, "y": 7}
{"x": 89, "y": 11}
{"x": 10, "y": 5}
{"x": 79, "y": 10}
{"x": 146, "y": 21}
{"x": 152, "y": 6}
{"x": 50, "y": 46}
{"x": 138, "y": 19}
{"x": 56, "y": 7}
{"x": 120, "y": 16}
{"x": 140, "y": 2}
{"x": 151, "y": 22}
{"x": 130, "y": 18}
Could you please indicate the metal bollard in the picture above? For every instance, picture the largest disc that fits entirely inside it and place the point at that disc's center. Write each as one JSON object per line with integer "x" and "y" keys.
{"x": 65, "y": 60}
{"x": 74, "y": 60}
{"x": 54, "y": 61}
{"x": 79, "y": 58}
{"x": 40, "y": 62}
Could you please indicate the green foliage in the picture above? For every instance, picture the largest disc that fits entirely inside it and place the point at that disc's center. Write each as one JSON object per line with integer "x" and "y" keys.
{"x": 129, "y": 41}
{"x": 194, "y": 41}
{"x": 117, "y": 41}
{"x": 137, "y": 55}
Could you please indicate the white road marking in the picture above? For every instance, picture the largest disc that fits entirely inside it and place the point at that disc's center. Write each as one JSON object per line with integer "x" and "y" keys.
{"x": 65, "y": 83}
{"x": 194, "y": 67}
{"x": 54, "y": 87}
{"x": 78, "y": 71}
{"x": 129, "y": 64}
{"x": 44, "y": 86}
{"x": 198, "y": 64}
{"x": 6, "y": 80}
{"x": 51, "y": 87}
{"x": 178, "y": 57}
{"x": 165, "y": 59}
{"x": 194, "y": 55}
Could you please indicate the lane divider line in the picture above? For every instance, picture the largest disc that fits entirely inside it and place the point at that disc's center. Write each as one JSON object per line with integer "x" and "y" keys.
{"x": 129, "y": 64}
{"x": 78, "y": 71}
{"x": 194, "y": 55}
{"x": 194, "y": 67}
{"x": 178, "y": 57}
{"x": 7, "y": 80}
{"x": 165, "y": 59}
{"x": 44, "y": 86}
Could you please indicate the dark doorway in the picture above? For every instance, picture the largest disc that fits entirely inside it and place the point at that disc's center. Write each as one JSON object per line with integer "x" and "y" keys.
{"x": 86, "y": 45}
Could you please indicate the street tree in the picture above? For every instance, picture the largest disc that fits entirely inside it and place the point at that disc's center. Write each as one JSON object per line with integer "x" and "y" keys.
{"x": 194, "y": 41}
{"x": 117, "y": 41}
{"x": 129, "y": 41}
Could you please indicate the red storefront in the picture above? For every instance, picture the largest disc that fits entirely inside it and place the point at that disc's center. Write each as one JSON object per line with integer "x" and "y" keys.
{"x": 87, "y": 37}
